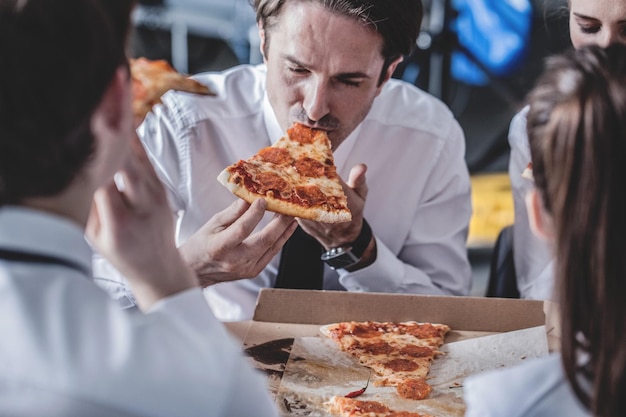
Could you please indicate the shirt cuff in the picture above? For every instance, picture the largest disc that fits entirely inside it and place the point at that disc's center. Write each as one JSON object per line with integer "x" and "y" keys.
{"x": 386, "y": 274}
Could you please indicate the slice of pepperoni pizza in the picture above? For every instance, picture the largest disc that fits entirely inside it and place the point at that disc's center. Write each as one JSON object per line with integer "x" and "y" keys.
{"x": 296, "y": 176}
{"x": 400, "y": 354}
{"x": 151, "y": 79}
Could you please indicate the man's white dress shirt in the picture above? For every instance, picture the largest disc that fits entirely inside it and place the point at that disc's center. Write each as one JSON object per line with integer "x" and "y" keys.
{"x": 418, "y": 203}
{"x": 66, "y": 349}
{"x": 532, "y": 256}
{"x": 538, "y": 388}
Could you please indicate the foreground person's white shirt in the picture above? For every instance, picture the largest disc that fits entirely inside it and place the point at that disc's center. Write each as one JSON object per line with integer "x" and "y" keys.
{"x": 68, "y": 350}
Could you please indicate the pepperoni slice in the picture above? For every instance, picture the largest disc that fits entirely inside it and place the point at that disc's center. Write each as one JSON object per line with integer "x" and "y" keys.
{"x": 377, "y": 348}
{"x": 365, "y": 330}
{"x": 421, "y": 331}
{"x": 416, "y": 351}
{"x": 309, "y": 167}
{"x": 278, "y": 156}
{"x": 414, "y": 389}
{"x": 310, "y": 195}
{"x": 301, "y": 134}
{"x": 399, "y": 365}
{"x": 266, "y": 181}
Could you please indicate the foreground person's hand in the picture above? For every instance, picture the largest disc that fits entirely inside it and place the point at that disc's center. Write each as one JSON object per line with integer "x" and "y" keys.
{"x": 132, "y": 226}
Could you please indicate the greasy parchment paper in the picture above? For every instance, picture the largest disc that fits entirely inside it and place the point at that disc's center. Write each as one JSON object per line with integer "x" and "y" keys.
{"x": 317, "y": 370}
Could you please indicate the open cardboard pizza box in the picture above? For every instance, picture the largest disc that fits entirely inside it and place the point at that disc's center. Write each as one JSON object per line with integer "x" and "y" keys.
{"x": 304, "y": 368}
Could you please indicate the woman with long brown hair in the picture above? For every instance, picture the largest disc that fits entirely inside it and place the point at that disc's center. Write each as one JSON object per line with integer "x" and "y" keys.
{"x": 577, "y": 134}
{"x": 597, "y": 22}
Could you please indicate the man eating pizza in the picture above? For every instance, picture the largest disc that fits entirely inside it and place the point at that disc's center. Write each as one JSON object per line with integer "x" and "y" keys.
{"x": 328, "y": 66}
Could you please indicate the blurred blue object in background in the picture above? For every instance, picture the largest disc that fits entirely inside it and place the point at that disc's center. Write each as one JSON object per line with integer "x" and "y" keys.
{"x": 493, "y": 38}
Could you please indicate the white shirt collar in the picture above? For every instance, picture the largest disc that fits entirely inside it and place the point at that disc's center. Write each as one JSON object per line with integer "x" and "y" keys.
{"x": 274, "y": 131}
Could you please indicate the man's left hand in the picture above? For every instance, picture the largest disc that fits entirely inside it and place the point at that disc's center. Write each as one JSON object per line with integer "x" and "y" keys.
{"x": 332, "y": 235}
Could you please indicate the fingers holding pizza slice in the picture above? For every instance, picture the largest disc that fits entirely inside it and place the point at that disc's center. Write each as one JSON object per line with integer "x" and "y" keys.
{"x": 152, "y": 79}
{"x": 296, "y": 176}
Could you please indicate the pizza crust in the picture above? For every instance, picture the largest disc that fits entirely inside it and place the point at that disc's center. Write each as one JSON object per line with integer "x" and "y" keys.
{"x": 284, "y": 207}
{"x": 325, "y": 329}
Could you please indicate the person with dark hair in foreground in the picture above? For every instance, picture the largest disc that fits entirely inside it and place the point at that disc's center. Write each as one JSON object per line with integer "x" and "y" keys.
{"x": 66, "y": 348}
{"x": 577, "y": 133}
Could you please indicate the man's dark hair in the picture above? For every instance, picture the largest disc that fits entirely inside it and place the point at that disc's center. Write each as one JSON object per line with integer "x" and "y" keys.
{"x": 56, "y": 60}
{"x": 397, "y": 21}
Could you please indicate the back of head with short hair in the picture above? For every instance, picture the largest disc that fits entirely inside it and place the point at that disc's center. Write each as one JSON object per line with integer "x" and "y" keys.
{"x": 397, "y": 21}
{"x": 577, "y": 133}
{"x": 57, "y": 59}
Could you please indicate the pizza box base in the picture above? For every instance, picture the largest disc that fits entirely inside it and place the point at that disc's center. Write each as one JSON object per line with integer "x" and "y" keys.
{"x": 282, "y": 315}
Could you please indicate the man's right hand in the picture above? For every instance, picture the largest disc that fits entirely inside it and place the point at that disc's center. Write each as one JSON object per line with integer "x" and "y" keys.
{"x": 226, "y": 248}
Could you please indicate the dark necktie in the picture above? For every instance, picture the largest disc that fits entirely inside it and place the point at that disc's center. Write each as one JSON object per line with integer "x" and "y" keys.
{"x": 300, "y": 264}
